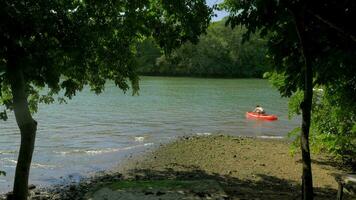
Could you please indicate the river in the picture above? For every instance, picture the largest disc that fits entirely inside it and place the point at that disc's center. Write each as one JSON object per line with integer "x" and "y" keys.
{"x": 92, "y": 133}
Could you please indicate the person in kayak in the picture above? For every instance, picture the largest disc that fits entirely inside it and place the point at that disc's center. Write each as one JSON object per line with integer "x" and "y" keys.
{"x": 259, "y": 110}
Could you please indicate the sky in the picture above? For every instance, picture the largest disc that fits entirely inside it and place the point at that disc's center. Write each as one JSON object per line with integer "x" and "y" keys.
{"x": 221, "y": 14}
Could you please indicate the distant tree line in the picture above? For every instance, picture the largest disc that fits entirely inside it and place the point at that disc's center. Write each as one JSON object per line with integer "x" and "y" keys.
{"x": 219, "y": 53}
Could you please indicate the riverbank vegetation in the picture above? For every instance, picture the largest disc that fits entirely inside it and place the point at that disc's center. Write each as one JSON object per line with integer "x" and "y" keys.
{"x": 219, "y": 53}
{"x": 308, "y": 49}
{"x": 333, "y": 118}
{"x": 333, "y": 127}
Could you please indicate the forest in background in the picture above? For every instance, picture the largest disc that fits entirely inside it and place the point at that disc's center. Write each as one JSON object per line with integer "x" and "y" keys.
{"x": 88, "y": 43}
{"x": 219, "y": 53}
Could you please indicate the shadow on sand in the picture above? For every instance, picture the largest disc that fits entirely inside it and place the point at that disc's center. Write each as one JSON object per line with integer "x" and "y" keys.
{"x": 262, "y": 187}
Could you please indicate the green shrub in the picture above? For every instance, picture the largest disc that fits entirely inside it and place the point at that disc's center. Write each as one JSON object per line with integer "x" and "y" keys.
{"x": 333, "y": 125}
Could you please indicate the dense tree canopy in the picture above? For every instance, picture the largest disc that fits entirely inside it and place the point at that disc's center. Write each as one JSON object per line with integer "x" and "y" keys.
{"x": 220, "y": 53}
{"x": 330, "y": 39}
{"x": 69, "y": 44}
{"x": 311, "y": 43}
{"x": 66, "y": 44}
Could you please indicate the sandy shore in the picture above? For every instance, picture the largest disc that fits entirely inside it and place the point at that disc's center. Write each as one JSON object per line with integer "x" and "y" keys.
{"x": 243, "y": 158}
{"x": 210, "y": 167}
{"x": 246, "y": 168}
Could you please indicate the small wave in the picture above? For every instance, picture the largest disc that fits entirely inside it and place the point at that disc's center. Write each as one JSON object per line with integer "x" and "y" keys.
{"x": 203, "y": 134}
{"x": 101, "y": 151}
{"x": 270, "y": 137}
{"x": 9, "y": 166}
{"x": 90, "y": 152}
{"x": 139, "y": 139}
{"x": 8, "y": 160}
{"x": 38, "y": 165}
{"x": 33, "y": 164}
{"x": 8, "y": 152}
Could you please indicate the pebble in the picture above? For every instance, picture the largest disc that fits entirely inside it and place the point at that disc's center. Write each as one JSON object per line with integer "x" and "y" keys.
{"x": 31, "y": 187}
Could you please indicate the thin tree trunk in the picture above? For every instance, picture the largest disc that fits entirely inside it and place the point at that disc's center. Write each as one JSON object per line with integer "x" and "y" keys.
{"x": 304, "y": 140}
{"x": 307, "y": 177}
{"x": 28, "y": 128}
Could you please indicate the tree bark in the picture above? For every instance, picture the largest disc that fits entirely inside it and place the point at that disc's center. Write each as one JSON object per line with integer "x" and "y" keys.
{"x": 28, "y": 127}
{"x": 307, "y": 184}
{"x": 307, "y": 177}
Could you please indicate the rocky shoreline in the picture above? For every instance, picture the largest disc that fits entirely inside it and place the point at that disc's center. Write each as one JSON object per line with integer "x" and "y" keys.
{"x": 245, "y": 168}
{"x": 70, "y": 191}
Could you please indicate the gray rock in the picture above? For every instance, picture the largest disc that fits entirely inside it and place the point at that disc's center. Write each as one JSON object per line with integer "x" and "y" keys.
{"x": 31, "y": 187}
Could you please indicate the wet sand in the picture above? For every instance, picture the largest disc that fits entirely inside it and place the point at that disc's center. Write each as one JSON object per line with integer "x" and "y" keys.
{"x": 209, "y": 167}
{"x": 246, "y": 168}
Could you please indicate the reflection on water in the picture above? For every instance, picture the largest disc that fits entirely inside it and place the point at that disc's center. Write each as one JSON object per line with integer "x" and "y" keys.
{"x": 93, "y": 133}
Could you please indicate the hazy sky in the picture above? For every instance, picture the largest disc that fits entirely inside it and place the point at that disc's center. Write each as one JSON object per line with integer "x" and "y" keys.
{"x": 220, "y": 14}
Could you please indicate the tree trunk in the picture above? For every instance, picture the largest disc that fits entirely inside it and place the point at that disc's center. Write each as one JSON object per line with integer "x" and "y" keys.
{"x": 28, "y": 128}
{"x": 307, "y": 184}
{"x": 307, "y": 178}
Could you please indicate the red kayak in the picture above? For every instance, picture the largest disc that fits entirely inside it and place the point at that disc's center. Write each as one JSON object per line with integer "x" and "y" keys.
{"x": 261, "y": 116}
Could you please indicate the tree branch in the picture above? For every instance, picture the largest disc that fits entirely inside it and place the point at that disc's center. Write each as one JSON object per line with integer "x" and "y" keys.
{"x": 333, "y": 26}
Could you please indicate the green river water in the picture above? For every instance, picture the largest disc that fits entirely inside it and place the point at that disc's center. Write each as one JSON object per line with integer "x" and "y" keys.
{"x": 92, "y": 133}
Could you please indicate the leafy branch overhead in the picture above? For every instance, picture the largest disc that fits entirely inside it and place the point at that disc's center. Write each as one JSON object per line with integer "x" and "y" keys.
{"x": 65, "y": 45}
{"x": 332, "y": 50}
{"x": 331, "y": 46}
